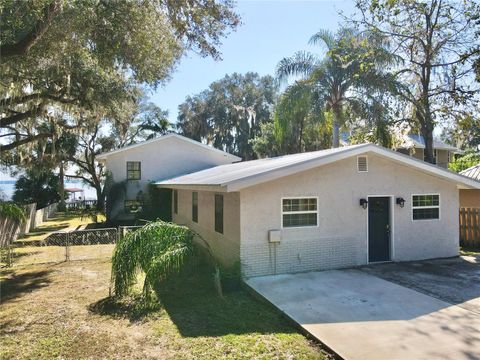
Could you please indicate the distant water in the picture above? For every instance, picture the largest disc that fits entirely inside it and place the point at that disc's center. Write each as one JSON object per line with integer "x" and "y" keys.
{"x": 7, "y": 187}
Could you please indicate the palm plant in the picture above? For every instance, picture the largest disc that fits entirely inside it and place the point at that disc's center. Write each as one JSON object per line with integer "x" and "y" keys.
{"x": 348, "y": 78}
{"x": 159, "y": 249}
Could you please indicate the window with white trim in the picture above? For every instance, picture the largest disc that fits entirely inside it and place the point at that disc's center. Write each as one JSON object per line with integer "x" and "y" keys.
{"x": 299, "y": 212}
{"x": 425, "y": 207}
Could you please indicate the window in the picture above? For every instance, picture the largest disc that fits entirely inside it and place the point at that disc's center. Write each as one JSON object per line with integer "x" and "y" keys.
{"x": 362, "y": 164}
{"x": 434, "y": 156}
{"x": 132, "y": 206}
{"x": 195, "y": 206}
{"x": 298, "y": 212}
{"x": 175, "y": 201}
{"x": 134, "y": 170}
{"x": 219, "y": 213}
{"x": 425, "y": 207}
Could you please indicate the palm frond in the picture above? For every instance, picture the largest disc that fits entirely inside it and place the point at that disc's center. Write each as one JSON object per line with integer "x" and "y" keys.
{"x": 323, "y": 37}
{"x": 302, "y": 63}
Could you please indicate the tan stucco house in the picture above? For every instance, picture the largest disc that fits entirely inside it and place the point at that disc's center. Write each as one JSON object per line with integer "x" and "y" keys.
{"x": 414, "y": 145}
{"x": 320, "y": 210}
{"x": 160, "y": 158}
{"x": 470, "y": 197}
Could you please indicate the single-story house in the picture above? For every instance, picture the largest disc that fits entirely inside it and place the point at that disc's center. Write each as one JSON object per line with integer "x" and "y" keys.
{"x": 326, "y": 209}
{"x": 414, "y": 145}
{"x": 470, "y": 197}
{"x": 163, "y": 157}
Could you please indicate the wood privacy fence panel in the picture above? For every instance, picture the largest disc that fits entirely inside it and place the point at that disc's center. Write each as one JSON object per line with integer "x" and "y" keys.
{"x": 470, "y": 227}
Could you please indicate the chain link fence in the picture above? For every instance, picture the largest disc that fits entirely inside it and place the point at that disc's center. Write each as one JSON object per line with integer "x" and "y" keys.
{"x": 64, "y": 246}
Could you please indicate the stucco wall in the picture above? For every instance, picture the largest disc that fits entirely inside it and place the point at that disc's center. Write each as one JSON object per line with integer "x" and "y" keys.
{"x": 162, "y": 159}
{"x": 340, "y": 240}
{"x": 226, "y": 246}
{"x": 470, "y": 198}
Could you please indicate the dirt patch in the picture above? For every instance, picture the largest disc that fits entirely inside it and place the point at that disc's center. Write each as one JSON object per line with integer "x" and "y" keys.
{"x": 63, "y": 311}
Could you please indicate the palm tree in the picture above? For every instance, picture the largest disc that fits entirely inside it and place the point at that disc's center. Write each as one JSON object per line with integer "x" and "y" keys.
{"x": 348, "y": 77}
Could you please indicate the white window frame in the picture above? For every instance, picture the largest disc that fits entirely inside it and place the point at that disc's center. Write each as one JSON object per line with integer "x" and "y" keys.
{"x": 427, "y": 207}
{"x": 298, "y": 212}
{"x": 366, "y": 159}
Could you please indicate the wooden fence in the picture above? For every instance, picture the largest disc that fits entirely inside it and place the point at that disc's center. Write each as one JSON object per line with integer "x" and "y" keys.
{"x": 470, "y": 227}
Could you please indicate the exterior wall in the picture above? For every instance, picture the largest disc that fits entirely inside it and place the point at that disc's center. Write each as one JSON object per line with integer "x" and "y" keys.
{"x": 417, "y": 154}
{"x": 442, "y": 158}
{"x": 162, "y": 159}
{"x": 226, "y": 246}
{"x": 470, "y": 198}
{"x": 340, "y": 240}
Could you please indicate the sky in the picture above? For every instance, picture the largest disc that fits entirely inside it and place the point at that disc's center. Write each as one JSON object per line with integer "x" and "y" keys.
{"x": 270, "y": 31}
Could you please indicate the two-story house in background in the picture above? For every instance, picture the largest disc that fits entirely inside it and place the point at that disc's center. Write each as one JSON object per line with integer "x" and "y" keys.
{"x": 164, "y": 157}
{"x": 414, "y": 145}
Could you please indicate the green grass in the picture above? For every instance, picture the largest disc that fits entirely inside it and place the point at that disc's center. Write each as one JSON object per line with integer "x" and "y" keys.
{"x": 63, "y": 311}
{"x": 465, "y": 251}
{"x": 61, "y": 221}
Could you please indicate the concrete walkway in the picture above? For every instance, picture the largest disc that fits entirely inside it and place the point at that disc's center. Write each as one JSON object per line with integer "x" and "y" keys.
{"x": 361, "y": 316}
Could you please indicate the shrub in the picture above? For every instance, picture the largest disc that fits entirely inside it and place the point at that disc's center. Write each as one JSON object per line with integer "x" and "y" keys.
{"x": 158, "y": 249}
{"x": 12, "y": 211}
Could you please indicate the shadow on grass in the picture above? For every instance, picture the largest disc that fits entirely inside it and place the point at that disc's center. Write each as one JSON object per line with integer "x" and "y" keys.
{"x": 194, "y": 307}
{"x": 16, "y": 285}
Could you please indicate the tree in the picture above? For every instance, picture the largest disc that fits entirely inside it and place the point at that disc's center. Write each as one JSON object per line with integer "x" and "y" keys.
{"x": 434, "y": 40}
{"x": 348, "y": 77}
{"x": 40, "y": 187}
{"x": 466, "y": 161}
{"x": 300, "y": 124}
{"x": 140, "y": 122}
{"x": 69, "y": 56}
{"x": 229, "y": 114}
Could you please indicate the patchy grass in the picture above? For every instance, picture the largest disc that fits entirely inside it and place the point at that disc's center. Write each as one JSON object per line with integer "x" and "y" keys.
{"x": 469, "y": 251}
{"x": 62, "y": 221}
{"x": 63, "y": 311}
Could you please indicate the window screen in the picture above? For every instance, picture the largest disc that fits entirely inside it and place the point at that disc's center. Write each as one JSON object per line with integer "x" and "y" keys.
{"x": 134, "y": 170}
{"x": 219, "y": 213}
{"x": 425, "y": 207}
{"x": 297, "y": 212}
{"x": 195, "y": 206}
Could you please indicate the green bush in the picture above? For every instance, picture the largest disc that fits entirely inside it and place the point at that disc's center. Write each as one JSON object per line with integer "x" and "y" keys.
{"x": 464, "y": 162}
{"x": 12, "y": 211}
{"x": 158, "y": 249}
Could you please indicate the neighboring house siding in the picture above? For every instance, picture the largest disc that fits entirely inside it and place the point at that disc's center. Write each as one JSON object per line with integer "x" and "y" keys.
{"x": 442, "y": 158}
{"x": 340, "y": 240}
{"x": 163, "y": 159}
{"x": 226, "y": 246}
{"x": 470, "y": 198}
{"x": 417, "y": 154}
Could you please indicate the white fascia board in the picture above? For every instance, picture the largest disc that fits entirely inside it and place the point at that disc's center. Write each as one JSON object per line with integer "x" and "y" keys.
{"x": 193, "y": 187}
{"x": 307, "y": 165}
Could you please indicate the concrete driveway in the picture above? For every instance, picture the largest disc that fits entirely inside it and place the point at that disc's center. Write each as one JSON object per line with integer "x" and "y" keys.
{"x": 362, "y": 316}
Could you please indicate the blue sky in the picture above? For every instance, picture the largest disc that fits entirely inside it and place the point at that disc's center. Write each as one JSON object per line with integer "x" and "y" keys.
{"x": 270, "y": 31}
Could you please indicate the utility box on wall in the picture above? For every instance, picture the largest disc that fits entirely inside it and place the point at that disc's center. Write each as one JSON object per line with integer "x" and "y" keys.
{"x": 274, "y": 236}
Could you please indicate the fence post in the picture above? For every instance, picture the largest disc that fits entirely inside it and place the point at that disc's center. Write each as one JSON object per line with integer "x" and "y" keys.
{"x": 67, "y": 248}
{"x": 9, "y": 255}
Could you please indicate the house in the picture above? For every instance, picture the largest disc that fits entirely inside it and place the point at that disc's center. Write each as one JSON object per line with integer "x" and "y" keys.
{"x": 469, "y": 197}
{"x": 414, "y": 145}
{"x": 326, "y": 209}
{"x": 163, "y": 157}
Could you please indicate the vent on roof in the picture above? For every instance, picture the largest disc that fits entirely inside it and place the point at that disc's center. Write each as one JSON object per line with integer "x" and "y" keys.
{"x": 362, "y": 164}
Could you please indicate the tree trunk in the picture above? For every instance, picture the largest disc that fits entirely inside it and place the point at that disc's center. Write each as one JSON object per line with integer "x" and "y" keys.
{"x": 337, "y": 120}
{"x": 100, "y": 198}
{"x": 427, "y": 133}
{"x": 61, "y": 187}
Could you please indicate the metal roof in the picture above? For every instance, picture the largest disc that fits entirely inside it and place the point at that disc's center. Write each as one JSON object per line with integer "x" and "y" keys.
{"x": 472, "y": 172}
{"x": 419, "y": 142}
{"x": 103, "y": 156}
{"x": 233, "y": 177}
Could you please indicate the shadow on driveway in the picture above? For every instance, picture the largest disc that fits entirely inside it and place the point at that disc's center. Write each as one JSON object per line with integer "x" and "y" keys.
{"x": 454, "y": 280}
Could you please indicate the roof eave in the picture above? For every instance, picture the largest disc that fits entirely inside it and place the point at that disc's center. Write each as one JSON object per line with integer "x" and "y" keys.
{"x": 194, "y": 187}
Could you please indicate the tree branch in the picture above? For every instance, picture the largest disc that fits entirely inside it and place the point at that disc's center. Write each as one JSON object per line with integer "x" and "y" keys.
{"x": 23, "y": 46}
{"x": 27, "y": 140}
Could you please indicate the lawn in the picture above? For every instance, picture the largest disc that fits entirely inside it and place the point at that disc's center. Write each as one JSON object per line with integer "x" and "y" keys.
{"x": 63, "y": 311}
{"x": 62, "y": 221}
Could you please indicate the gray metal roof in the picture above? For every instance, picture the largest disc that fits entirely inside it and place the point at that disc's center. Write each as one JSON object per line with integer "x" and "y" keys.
{"x": 472, "y": 172}
{"x": 102, "y": 157}
{"x": 233, "y": 177}
{"x": 419, "y": 143}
